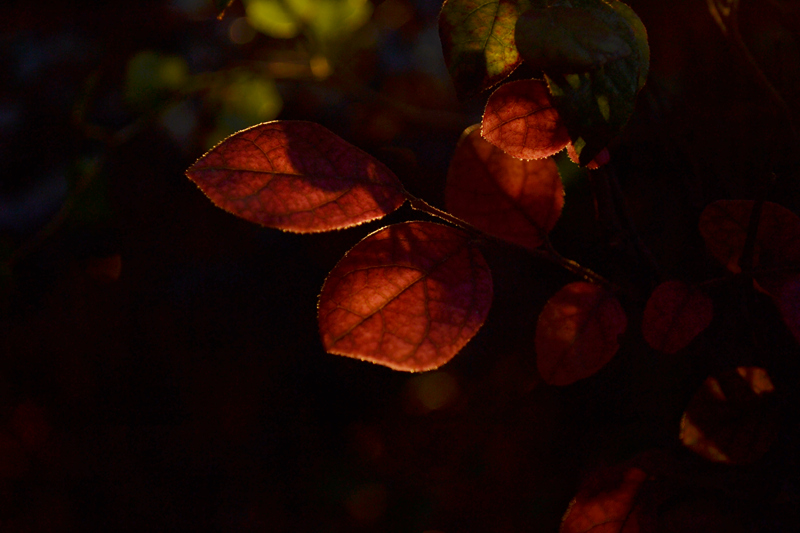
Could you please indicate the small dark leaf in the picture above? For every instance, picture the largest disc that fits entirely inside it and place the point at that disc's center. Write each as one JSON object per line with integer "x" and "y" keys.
{"x": 296, "y": 176}
{"x": 732, "y": 418}
{"x": 520, "y": 120}
{"x": 408, "y": 296}
{"x": 606, "y": 503}
{"x": 567, "y": 40}
{"x": 674, "y": 315}
{"x": 724, "y": 223}
{"x": 576, "y": 334}
{"x": 518, "y": 201}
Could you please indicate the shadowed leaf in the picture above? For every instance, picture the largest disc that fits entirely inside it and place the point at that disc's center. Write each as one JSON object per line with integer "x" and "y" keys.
{"x": 787, "y": 298}
{"x": 517, "y": 201}
{"x": 567, "y": 40}
{"x": 606, "y": 503}
{"x": 520, "y": 120}
{"x": 732, "y": 418}
{"x": 724, "y": 223}
{"x": 296, "y": 176}
{"x": 674, "y": 315}
{"x": 408, "y": 296}
{"x": 478, "y": 41}
{"x": 595, "y": 105}
{"x": 576, "y": 334}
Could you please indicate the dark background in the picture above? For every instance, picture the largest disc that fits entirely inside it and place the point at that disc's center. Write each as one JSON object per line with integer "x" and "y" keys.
{"x": 160, "y": 364}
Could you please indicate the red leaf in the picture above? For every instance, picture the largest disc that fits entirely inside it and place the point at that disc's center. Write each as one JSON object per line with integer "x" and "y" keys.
{"x": 674, "y": 315}
{"x": 296, "y": 176}
{"x": 408, "y": 296}
{"x": 520, "y": 120}
{"x": 606, "y": 504}
{"x": 724, "y": 223}
{"x": 518, "y": 201}
{"x": 787, "y": 298}
{"x": 577, "y": 332}
{"x": 599, "y": 160}
{"x": 732, "y": 418}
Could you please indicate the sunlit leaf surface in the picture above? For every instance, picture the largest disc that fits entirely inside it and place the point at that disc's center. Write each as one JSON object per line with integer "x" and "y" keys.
{"x": 409, "y": 297}
{"x": 296, "y": 176}
{"x": 576, "y": 334}
{"x": 674, "y": 315}
{"x": 518, "y": 201}
{"x": 478, "y": 41}
{"x": 520, "y": 120}
{"x": 732, "y": 418}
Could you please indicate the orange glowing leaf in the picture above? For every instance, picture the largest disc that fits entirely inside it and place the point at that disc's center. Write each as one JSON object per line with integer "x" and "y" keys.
{"x": 606, "y": 503}
{"x": 576, "y": 334}
{"x": 296, "y": 176}
{"x": 732, "y": 418}
{"x": 408, "y": 296}
{"x": 674, "y": 315}
{"x": 724, "y": 223}
{"x": 518, "y": 201}
{"x": 520, "y": 120}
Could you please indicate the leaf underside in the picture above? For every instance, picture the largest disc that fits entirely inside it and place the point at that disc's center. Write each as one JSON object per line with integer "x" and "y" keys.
{"x": 577, "y": 331}
{"x": 517, "y": 201}
{"x": 408, "y": 297}
{"x": 478, "y": 42}
{"x": 296, "y": 176}
{"x": 674, "y": 315}
{"x": 521, "y": 120}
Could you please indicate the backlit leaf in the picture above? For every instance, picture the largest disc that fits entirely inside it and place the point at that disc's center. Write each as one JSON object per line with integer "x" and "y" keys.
{"x": 724, "y": 223}
{"x": 520, "y": 120}
{"x": 478, "y": 41}
{"x": 576, "y": 334}
{"x": 296, "y": 176}
{"x": 408, "y": 296}
{"x": 596, "y": 104}
{"x": 606, "y": 503}
{"x": 518, "y": 201}
{"x": 732, "y": 418}
{"x": 567, "y": 40}
{"x": 674, "y": 315}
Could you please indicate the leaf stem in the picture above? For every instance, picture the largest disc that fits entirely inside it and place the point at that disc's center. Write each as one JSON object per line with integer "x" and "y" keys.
{"x": 548, "y": 253}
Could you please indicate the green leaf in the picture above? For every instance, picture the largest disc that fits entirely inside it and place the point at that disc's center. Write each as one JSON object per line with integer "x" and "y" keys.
{"x": 596, "y": 104}
{"x": 478, "y": 41}
{"x": 567, "y": 40}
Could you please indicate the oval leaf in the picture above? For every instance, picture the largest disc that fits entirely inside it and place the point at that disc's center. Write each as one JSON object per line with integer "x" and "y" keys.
{"x": 674, "y": 315}
{"x": 724, "y": 224}
{"x": 606, "y": 503}
{"x": 478, "y": 41}
{"x": 520, "y": 120}
{"x": 408, "y": 296}
{"x": 733, "y": 418}
{"x": 296, "y": 176}
{"x": 595, "y": 105}
{"x": 576, "y": 334}
{"x": 517, "y": 201}
{"x": 567, "y": 40}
